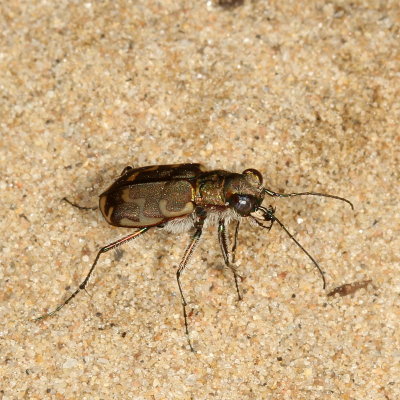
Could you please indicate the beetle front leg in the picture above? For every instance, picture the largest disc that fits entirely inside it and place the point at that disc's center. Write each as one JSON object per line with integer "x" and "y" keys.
{"x": 223, "y": 242}
{"x": 234, "y": 246}
{"x": 104, "y": 249}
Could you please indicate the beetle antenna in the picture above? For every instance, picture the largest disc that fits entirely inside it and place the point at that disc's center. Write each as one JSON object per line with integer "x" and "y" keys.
{"x": 270, "y": 216}
{"x": 274, "y": 194}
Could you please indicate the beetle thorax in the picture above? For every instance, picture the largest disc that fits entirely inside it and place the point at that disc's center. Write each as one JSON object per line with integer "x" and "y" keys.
{"x": 216, "y": 188}
{"x": 210, "y": 190}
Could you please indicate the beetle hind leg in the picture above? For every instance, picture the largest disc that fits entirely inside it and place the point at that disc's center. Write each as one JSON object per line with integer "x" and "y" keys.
{"x": 77, "y": 205}
{"x": 83, "y": 284}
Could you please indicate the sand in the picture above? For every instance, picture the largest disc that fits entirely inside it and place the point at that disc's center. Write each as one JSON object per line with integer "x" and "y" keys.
{"x": 305, "y": 92}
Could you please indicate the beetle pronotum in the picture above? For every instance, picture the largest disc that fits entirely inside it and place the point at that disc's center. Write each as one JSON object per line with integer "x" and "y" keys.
{"x": 184, "y": 197}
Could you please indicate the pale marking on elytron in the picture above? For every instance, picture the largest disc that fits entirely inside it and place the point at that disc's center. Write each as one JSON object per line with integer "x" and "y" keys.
{"x": 110, "y": 212}
{"x": 125, "y": 195}
{"x": 133, "y": 177}
{"x": 187, "y": 209}
{"x": 143, "y": 222}
{"x": 102, "y": 204}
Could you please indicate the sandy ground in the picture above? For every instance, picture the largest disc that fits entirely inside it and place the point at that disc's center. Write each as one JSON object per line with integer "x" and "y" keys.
{"x": 306, "y": 92}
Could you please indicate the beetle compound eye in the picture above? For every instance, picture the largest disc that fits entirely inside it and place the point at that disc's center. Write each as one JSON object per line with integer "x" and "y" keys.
{"x": 253, "y": 176}
{"x": 243, "y": 204}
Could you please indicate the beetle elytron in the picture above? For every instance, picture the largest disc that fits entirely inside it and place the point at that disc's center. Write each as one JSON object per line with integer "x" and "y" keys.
{"x": 183, "y": 197}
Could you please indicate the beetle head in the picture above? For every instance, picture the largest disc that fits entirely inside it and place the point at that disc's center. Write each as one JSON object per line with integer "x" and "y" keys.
{"x": 244, "y": 192}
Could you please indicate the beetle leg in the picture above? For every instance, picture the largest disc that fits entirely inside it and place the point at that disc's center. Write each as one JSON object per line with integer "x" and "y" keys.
{"x": 200, "y": 216}
{"x": 223, "y": 242}
{"x": 77, "y": 205}
{"x": 233, "y": 251}
{"x": 104, "y": 249}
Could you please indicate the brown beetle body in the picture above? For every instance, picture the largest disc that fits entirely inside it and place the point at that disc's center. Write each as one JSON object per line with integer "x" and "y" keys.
{"x": 150, "y": 196}
{"x": 181, "y": 197}
{"x": 155, "y": 195}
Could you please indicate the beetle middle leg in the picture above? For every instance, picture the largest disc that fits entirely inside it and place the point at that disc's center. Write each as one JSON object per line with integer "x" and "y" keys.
{"x": 200, "y": 216}
{"x": 188, "y": 252}
{"x": 104, "y": 249}
{"x": 223, "y": 242}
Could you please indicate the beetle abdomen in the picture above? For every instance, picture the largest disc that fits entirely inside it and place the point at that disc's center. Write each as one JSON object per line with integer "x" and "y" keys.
{"x": 147, "y": 204}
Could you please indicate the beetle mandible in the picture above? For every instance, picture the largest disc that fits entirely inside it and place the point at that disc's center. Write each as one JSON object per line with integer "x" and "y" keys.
{"x": 187, "y": 197}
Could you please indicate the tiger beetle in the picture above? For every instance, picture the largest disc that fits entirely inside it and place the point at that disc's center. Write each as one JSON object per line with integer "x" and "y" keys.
{"x": 187, "y": 197}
